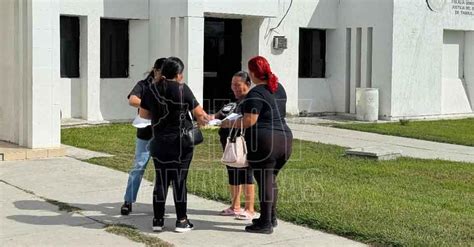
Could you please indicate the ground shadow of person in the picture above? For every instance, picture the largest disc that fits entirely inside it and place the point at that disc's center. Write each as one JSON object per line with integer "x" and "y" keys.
{"x": 97, "y": 216}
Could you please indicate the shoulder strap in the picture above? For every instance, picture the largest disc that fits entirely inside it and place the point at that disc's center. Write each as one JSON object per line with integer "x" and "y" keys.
{"x": 184, "y": 111}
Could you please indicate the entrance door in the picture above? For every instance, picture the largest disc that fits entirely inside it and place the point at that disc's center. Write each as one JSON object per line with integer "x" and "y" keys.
{"x": 222, "y": 58}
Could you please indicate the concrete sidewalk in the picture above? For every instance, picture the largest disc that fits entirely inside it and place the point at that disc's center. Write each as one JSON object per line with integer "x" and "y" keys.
{"x": 27, "y": 219}
{"x": 408, "y": 147}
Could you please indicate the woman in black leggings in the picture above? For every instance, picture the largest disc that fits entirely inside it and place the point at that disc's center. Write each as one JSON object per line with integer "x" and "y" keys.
{"x": 167, "y": 103}
{"x": 269, "y": 139}
{"x": 239, "y": 178}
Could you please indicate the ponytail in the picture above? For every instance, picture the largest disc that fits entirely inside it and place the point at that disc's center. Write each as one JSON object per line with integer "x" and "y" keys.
{"x": 272, "y": 82}
{"x": 157, "y": 65}
{"x": 261, "y": 69}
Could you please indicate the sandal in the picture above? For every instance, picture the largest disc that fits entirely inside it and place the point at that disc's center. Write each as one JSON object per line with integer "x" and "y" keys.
{"x": 245, "y": 215}
{"x": 230, "y": 212}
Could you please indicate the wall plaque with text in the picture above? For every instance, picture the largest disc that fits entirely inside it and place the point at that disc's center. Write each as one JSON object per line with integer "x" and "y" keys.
{"x": 463, "y": 7}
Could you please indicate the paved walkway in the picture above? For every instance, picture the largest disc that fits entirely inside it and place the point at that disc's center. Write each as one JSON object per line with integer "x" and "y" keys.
{"x": 27, "y": 218}
{"x": 408, "y": 147}
{"x": 83, "y": 154}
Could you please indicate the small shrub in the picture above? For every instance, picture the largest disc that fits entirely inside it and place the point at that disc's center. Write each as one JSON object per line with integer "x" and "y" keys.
{"x": 404, "y": 122}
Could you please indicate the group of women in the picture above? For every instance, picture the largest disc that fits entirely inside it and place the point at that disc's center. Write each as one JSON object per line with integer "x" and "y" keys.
{"x": 170, "y": 104}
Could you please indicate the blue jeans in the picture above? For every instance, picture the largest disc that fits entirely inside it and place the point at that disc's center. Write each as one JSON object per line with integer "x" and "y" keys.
{"x": 142, "y": 155}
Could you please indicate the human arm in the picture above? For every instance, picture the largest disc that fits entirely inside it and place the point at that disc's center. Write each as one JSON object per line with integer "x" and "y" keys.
{"x": 247, "y": 121}
{"x": 134, "y": 101}
{"x": 146, "y": 114}
{"x": 144, "y": 106}
{"x": 134, "y": 97}
{"x": 201, "y": 116}
{"x": 251, "y": 107}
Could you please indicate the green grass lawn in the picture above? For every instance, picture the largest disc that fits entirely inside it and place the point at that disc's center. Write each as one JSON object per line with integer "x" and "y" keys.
{"x": 391, "y": 203}
{"x": 459, "y": 131}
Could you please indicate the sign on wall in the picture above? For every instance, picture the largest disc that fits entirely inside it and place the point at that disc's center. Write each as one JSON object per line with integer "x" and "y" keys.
{"x": 457, "y": 7}
{"x": 463, "y": 7}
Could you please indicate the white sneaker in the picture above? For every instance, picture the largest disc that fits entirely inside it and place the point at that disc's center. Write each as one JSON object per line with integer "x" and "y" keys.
{"x": 184, "y": 226}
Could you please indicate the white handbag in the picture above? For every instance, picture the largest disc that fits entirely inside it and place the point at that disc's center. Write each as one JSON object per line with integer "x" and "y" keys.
{"x": 235, "y": 152}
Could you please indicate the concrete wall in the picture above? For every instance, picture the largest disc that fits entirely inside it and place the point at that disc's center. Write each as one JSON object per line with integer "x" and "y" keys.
{"x": 361, "y": 16}
{"x": 284, "y": 63}
{"x": 336, "y": 92}
{"x": 71, "y": 97}
{"x": 45, "y": 109}
{"x": 90, "y": 97}
{"x": 454, "y": 97}
{"x": 182, "y": 22}
{"x": 10, "y": 84}
{"x": 29, "y": 102}
{"x": 417, "y": 83}
{"x": 177, "y": 29}
{"x": 314, "y": 95}
{"x": 121, "y": 9}
{"x": 259, "y": 8}
{"x": 113, "y": 92}
{"x": 468, "y": 65}
{"x": 420, "y": 60}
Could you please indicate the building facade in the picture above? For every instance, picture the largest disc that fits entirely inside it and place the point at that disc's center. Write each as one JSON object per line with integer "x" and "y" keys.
{"x": 79, "y": 59}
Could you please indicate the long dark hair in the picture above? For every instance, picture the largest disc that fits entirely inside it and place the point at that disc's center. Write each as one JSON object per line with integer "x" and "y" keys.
{"x": 158, "y": 63}
{"x": 170, "y": 68}
{"x": 261, "y": 69}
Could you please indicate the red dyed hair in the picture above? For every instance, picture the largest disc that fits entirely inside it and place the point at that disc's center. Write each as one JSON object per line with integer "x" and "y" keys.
{"x": 260, "y": 67}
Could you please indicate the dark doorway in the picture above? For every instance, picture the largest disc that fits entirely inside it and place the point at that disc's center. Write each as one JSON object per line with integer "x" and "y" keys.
{"x": 222, "y": 58}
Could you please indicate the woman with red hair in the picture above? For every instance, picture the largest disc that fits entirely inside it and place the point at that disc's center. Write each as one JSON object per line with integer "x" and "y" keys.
{"x": 269, "y": 139}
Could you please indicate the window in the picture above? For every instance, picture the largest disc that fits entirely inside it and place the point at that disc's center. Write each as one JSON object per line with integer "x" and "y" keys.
{"x": 114, "y": 46}
{"x": 312, "y": 53}
{"x": 69, "y": 46}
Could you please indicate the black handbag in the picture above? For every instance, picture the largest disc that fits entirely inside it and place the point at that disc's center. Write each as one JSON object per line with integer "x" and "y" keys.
{"x": 191, "y": 135}
{"x": 194, "y": 134}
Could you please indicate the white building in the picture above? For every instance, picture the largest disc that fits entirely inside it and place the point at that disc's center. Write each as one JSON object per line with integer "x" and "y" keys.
{"x": 418, "y": 53}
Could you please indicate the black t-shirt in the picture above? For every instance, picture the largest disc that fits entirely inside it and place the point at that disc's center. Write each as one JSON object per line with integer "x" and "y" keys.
{"x": 138, "y": 90}
{"x": 234, "y": 107}
{"x": 164, "y": 103}
{"x": 270, "y": 107}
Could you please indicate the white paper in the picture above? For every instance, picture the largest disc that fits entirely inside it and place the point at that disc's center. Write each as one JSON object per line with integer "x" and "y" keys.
{"x": 215, "y": 122}
{"x": 141, "y": 123}
{"x": 233, "y": 116}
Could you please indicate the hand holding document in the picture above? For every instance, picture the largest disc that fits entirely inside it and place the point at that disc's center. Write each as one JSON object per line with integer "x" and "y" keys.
{"x": 141, "y": 123}
{"x": 217, "y": 122}
{"x": 232, "y": 116}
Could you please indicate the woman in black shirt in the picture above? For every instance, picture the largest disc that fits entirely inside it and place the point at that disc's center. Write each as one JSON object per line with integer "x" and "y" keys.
{"x": 167, "y": 103}
{"x": 142, "y": 154}
{"x": 238, "y": 177}
{"x": 269, "y": 139}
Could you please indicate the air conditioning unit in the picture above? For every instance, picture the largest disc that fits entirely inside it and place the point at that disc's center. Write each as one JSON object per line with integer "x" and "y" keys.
{"x": 280, "y": 42}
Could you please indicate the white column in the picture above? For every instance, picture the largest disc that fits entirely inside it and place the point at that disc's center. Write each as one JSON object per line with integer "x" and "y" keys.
{"x": 192, "y": 52}
{"x": 353, "y": 64}
{"x": 250, "y": 39}
{"x": 363, "y": 59}
{"x": 469, "y": 66}
{"x": 23, "y": 70}
{"x": 90, "y": 68}
{"x": 44, "y": 115}
{"x": 9, "y": 84}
